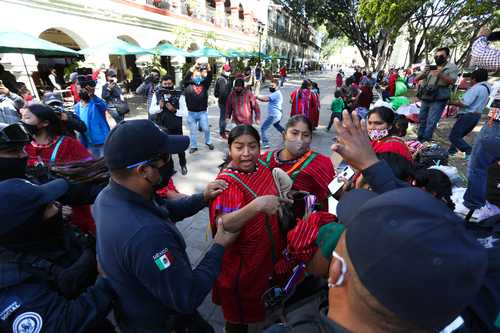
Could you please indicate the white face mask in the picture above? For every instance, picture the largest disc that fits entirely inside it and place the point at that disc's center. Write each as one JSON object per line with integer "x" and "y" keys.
{"x": 377, "y": 134}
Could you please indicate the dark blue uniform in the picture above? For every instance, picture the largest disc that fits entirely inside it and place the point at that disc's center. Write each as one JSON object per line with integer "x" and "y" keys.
{"x": 144, "y": 257}
{"x": 29, "y": 304}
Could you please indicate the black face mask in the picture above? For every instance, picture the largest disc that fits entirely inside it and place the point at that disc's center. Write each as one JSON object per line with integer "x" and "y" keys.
{"x": 272, "y": 90}
{"x": 84, "y": 96}
{"x": 440, "y": 60}
{"x": 166, "y": 172}
{"x": 31, "y": 129}
{"x": 13, "y": 167}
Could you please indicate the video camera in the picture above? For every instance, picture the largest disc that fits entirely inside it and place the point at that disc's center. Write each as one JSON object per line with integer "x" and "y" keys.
{"x": 85, "y": 77}
{"x": 169, "y": 96}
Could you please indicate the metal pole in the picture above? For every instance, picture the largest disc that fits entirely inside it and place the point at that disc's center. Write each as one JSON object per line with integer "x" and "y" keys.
{"x": 28, "y": 75}
{"x": 260, "y": 35}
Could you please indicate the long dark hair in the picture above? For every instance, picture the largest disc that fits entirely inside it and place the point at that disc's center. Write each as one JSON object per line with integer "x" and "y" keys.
{"x": 387, "y": 115}
{"x": 299, "y": 119}
{"x": 45, "y": 112}
{"x": 437, "y": 183}
{"x": 236, "y": 133}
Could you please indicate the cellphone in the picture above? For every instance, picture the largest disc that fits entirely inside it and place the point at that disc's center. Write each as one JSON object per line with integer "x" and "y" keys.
{"x": 336, "y": 184}
{"x": 433, "y": 67}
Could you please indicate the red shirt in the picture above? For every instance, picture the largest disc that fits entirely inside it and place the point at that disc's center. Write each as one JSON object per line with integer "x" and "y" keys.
{"x": 70, "y": 150}
{"x": 283, "y": 71}
{"x": 392, "y": 144}
{"x": 314, "y": 178}
{"x": 74, "y": 92}
{"x": 305, "y": 102}
{"x": 247, "y": 263}
{"x": 242, "y": 108}
{"x": 392, "y": 83}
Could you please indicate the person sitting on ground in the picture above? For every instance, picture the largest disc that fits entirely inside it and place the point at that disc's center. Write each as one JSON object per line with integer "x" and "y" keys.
{"x": 363, "y": 99}
{"x": 310, "y": 171}
{"x": 437, "y": 183}
{"x": 381, "y": 131}
{"x": 50, "y": 148}
{"x": 48, "y": 271}
{"x": 401, "y": 126}
{"x": 249, "y": 206}
{"x": 242, "y": 106}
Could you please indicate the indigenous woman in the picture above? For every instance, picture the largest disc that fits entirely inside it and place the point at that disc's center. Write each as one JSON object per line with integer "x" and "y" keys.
{"x": 382, "y": 133}
{"x": 310, "y": 171}
{"x": 305, "y": 102}
{"x": 50, "y": 148}
{"x": 249, "y": 206}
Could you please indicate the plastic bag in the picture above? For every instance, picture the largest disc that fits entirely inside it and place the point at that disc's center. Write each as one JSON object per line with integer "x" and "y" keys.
{"x": 398, "y": 101}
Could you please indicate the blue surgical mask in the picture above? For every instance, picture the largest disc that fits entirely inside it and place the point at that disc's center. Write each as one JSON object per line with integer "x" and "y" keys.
{"x": 197, "y": 79}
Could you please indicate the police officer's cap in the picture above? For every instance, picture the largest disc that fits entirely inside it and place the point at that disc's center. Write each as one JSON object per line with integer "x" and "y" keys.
{"x": 13, "y": 135}
{"x": 135, "y": 141}
{"x": 20, "y": 199}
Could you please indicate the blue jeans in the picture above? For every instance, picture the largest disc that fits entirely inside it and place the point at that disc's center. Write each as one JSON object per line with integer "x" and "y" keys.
{"x": 482, "y": 157}
{"x": 222, "y": 118}
{"x": 430, "y": 113}
{"x": 464, "y": 125}
{"x": 270, "y": 120}
{"x": 201, "y": 119}
{"x": 96, "y": 150}
{"x": 282, "y": 80}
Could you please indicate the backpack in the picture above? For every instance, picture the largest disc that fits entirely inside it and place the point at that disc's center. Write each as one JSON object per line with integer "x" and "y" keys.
{"x": 434, "y": 155}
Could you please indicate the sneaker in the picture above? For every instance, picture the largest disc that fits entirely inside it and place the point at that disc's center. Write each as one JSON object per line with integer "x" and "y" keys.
{"x": 193, "y": 150}
{"x": 184, "y": 170}
{"x": 210, "y": 146}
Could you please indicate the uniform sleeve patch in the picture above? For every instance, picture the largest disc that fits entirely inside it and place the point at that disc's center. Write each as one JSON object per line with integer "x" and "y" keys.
{"x": 163, "y": 259}
{"x": 27, "y": 322}
{"x": 13, "y": 306}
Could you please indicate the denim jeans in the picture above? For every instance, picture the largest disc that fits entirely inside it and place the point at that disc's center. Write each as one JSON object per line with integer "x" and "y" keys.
{"x": 200, "y": 119}
{"x": 222, "y": 118}
{"x": 480, "y": 160}
{"x": 282, "y": 80}
{"x": 270, "y": 120}
{"x": 430, "y": 113}
{"x": 464, "y": 125}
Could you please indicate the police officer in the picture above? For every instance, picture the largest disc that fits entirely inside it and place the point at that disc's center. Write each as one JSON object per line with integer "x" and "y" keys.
{"x": 163, "y": 111}
{"x": 138, "y": 245}
{"x": 42, "y": 280}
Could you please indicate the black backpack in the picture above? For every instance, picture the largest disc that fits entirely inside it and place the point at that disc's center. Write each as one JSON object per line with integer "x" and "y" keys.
{"x": 484, "y": 314}
{"x": 433, "y": 155}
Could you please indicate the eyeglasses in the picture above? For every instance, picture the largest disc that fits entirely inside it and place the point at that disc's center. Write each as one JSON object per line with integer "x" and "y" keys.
{"x": 343, "y": 271}
{"x": 160, "y": 157}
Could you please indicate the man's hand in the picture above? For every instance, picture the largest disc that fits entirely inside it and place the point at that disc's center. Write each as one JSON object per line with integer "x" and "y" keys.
{"x": 214, "y": 189}
{"x": 4, "y": 90}
{"x": 353, "y": 143}
{"x": 257, "y": 122}
{"x": 223, "y": 237}
{"x": 484, "y": 31}
{"x": 90, "y": 91}
{"x": 171, "y": 108}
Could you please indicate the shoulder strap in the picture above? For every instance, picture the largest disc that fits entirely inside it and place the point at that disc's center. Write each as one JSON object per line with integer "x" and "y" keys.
{"x": 56, "y": 149}
{"x": 304, "y": 165}
{"x": 269, "y": 156}
{"x": 487, "y": 88}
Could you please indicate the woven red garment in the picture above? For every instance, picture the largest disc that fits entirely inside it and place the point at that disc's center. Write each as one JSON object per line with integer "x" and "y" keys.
{"x": 305, "y": 102}
{"x": 392, "y": 144}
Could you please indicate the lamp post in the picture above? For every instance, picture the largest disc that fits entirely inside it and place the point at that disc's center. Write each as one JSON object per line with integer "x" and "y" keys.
{"x": 260, "y": 31}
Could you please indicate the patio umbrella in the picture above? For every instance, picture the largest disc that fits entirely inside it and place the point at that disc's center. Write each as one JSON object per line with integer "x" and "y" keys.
{"x": 169, "y": 50}
{"x": 261, "y": 55}
{"x": 115, "y": 47}
{"x": 231, "y": 53}
{"x": 19, "y": 42}
{"x": 206, "y": 52}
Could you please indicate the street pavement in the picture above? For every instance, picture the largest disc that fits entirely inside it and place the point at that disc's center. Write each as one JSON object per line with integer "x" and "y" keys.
{"x": 203, "y": 168}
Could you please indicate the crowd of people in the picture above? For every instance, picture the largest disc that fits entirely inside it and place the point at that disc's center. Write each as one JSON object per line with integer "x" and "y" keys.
{"x": 89, "y": 208}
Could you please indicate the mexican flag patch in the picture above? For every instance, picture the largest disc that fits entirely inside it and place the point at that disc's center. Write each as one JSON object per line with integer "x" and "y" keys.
{"x": 163, "y": 259}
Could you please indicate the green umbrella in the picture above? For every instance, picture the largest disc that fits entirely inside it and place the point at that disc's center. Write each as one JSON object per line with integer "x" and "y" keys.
{"x": 206, "y": 52}
{"x": 115, "y": 47}
{"x": 19, "y": 42}
{"x": 232, "y": 53}
{"x": 170, "y": 50}
{"x": 262, "y": 55}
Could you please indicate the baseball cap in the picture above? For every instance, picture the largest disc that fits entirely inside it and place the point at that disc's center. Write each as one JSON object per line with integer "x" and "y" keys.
{"x": 413, "y": 254}
{"x": 73, "y": 77}
{"x": 20, "y": 199}
{"x": 52, "y": 99}
{"x": 136, "y": 141}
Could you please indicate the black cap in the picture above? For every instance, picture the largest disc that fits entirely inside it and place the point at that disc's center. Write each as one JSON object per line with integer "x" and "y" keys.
{"x": 20, "y": 199}
{"x": 136, "y": 141}
{"x": 52, "y": 99}
{"x": 412, "y": 253}
{"x": 13, "y": 135}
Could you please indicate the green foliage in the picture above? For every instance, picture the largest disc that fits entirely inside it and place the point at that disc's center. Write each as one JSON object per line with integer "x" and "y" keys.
{"x": 332, "y": 46}
{"x": 210, "y": 40}
{"x": 155, "y": 64}
{"x": 183, "y": 37}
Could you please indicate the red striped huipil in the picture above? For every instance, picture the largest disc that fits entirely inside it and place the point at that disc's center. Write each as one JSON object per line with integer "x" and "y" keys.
{"x": 305, "y": 102}
{"x": 242, "y": 108}
{"x": 314, "y": 178}
{"x": 392, "y": 144}
{"x": 247, "y": 264}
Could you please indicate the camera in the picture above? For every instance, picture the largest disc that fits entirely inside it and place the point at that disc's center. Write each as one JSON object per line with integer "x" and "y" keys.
{"x": 85, "y": 77}
{"x": 203, "y": 67}
{"x": 168, "y": 96}
{"x": 433, "y": 67}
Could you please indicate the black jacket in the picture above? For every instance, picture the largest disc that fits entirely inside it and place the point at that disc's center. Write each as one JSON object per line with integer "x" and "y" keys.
{"x": 222, "y": 89}
{"x": 197, "y": 102}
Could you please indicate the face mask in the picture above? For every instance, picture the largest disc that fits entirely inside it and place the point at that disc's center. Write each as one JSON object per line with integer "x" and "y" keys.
{"x": 166, "y": 172}
{"x": 84, "y": 95}
{"x": 296, "y": 148}
{"x": 271, "y": 90}
{"x": 377, "y": 134}
{"x": 31, "y": 129}
{"x": 197, "y": 80}
{"x": 13, "y": 167}
{"x": 156, "y": 79}
{"x": 440, "y": 60}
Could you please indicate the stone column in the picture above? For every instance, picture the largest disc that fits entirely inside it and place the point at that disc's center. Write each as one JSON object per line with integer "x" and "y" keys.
{"x": 220, "y": 15}
{"x": 178, "y": 62}
{"x": 202, "y": 9}
{"x": 235, "y": 19}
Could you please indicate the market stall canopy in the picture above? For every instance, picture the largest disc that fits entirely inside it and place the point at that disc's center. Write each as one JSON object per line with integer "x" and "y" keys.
{"x": 19, "y": 42}
{"x": 206, "y": 52}
{"x": 232, "y": 53}
{"x": 262, "y": 55}
{"x": 170, "y": 50}
{"x": 115, "y": 47}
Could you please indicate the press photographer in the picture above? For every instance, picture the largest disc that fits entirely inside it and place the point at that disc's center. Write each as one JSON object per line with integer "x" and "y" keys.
{"x": 163, "y": 111}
